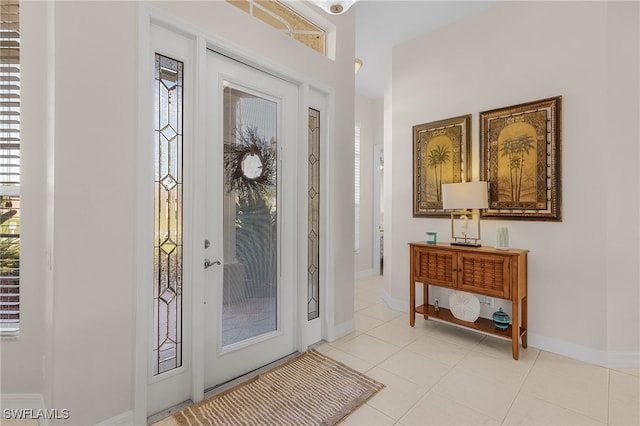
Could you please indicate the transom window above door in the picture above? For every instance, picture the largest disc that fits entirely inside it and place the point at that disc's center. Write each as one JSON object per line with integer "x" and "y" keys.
{"x": 289, "y": 21}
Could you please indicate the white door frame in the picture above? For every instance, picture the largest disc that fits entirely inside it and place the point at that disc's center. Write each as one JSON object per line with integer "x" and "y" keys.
{"x": 310, "y": 91}
{"x": 316, "y": 329}
{"x": 378, "y": 151}
{"x": 173, "y": 386}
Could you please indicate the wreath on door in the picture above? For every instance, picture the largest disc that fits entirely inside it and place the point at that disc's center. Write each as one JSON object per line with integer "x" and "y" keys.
{"x": 249, "y": 165}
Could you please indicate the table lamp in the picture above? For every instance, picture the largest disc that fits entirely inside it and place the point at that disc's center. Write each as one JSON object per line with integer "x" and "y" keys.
{"x": 461, "y": 199}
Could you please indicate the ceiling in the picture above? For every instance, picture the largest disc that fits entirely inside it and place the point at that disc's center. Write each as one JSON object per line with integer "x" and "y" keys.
{"x": 383, "y": 24}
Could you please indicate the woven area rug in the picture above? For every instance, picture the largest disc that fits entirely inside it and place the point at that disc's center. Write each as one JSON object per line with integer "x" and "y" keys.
{"x": 310, "y": 389}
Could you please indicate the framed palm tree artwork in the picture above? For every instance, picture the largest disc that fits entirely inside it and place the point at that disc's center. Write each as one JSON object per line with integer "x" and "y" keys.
{"x": 441, "y": 154}
{"x": 520, "y": 156}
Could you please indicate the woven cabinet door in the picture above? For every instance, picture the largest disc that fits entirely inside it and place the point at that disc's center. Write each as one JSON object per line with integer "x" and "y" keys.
{"x": 436, "y": 267}
{"x": 486, "y": 274}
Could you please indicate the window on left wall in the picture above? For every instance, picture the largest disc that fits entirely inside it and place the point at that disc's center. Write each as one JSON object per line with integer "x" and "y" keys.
{"x": 9, "y": 167}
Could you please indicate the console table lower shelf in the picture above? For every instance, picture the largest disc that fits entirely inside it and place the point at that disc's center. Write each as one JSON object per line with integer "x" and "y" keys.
{"x": 482, "y": 325}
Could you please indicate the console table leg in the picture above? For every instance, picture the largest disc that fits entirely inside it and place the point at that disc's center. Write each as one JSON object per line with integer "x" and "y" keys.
{"x": 525, "y": 315}
{"x": 412, "y": 303}
{"x": 425, "y": 298}
{"x": 515, "y": 328}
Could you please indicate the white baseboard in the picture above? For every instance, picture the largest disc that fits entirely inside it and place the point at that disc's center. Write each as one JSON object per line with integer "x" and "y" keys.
{"x": 584, "y": 353}
{"x": 624, "y": 360}
{"x": 336, "y": 332}
{"x": 363, "y": 274}
{"x": 124, "y": 419}
{"x": 23, "y": 401}
{"x": 568, "y": 349}
{"x": 395, "y": 304}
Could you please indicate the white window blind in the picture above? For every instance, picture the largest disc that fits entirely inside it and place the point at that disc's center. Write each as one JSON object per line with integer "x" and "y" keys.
{"x": 9, "y": 167}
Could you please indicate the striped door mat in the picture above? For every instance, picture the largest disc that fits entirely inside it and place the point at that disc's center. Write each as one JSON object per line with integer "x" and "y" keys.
{"x": 310, "y": 389}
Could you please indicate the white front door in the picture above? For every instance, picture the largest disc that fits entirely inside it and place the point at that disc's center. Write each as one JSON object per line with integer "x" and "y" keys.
{"x": 250, "y": 215}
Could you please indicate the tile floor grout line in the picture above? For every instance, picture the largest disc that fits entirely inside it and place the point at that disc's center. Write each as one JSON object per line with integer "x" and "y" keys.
{"x": 524, "y": 392}
{"x": 572, "y": 410}
{"x": 520, "y": 387}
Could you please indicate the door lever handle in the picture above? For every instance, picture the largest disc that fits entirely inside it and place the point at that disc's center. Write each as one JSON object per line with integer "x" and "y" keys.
{"x": 208, "y": 263}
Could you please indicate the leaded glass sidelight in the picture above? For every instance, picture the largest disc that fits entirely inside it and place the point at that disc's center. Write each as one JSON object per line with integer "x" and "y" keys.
{"x": 167, "y": 262}
{"x": 313, "y": 263}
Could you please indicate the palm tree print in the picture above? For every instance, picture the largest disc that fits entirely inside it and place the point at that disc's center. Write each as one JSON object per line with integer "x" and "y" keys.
{"x": 515, "y": 149}
{"x": 436, "y": 158}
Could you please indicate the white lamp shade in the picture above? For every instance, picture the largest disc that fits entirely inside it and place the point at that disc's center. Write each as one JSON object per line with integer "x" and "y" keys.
{"x": 464, "y": 195}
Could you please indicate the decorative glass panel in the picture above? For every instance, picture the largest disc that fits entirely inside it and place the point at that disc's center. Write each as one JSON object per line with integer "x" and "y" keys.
{"x": 250, "y": 288}
{"x": 167, "y": 293}
{"x": 287, "y": 20}
{"x": 313, "y": 263}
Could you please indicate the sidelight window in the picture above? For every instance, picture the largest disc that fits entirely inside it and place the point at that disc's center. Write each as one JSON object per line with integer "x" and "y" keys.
{"x": 313, "y": 263}
{"x": 167, "y": 251}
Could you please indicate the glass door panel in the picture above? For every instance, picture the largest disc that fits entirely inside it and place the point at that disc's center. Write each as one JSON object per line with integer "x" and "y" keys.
{"x": 250, "y": 278}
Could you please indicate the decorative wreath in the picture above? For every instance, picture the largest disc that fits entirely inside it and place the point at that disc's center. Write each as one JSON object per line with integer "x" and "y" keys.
{"x": 249, "y": 143}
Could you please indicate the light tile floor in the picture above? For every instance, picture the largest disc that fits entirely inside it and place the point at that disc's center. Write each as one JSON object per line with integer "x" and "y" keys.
{"x": 436, "y": 374}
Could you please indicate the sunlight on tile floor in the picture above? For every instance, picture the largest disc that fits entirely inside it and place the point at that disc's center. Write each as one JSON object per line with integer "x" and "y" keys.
{"x": 436, "y": 374}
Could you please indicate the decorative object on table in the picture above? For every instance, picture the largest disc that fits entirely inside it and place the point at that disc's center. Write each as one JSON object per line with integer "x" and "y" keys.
{"x": 441, "y": 154}
{"x": 432, "y": 237}
{"x": 462, "y": 198}
{"x": 464, "y": 306}
{"x": 501, "y": 319}
{"x": 520, "y": 149}
{"x": 503, "y": 239}
{"x": 436, "y": 306}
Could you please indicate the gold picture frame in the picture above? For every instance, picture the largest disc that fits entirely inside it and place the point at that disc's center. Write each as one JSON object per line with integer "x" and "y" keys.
{"x": 441, "y": 154}
{"x": 520, "y": 149}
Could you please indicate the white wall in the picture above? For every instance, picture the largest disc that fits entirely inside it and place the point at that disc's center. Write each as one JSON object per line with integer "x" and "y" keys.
{"x": 583, "y": 275}
{"x": 623, "y": 289}
{"x": 77, "y": 343}
{"x": 95, "y": 139}
{"x": 368, "y": 112}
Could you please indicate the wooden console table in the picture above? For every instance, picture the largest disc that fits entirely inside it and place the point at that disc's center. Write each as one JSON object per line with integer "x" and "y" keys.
{"x": 484, "y": 270}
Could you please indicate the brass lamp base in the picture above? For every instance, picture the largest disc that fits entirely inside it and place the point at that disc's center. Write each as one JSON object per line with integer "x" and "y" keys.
{"x": 466, "y": 244}
{"x": 464, "y": 239}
